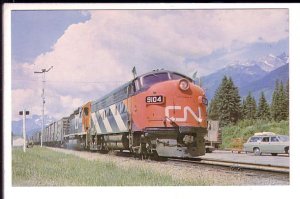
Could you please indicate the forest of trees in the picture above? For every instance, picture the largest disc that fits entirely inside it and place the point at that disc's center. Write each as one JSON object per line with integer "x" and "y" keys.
{"x": 228, "y": 107}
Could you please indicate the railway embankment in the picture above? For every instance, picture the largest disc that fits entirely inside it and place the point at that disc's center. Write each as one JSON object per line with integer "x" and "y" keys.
{"x": 62, "y": 167}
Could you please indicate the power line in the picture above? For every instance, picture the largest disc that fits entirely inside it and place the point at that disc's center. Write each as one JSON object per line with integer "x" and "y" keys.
{"x": 76, "y": 82}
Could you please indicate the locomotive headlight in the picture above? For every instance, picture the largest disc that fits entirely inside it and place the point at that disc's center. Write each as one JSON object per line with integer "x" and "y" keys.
{"x": 202, "y": 100}
{"x": 184, "y": 84}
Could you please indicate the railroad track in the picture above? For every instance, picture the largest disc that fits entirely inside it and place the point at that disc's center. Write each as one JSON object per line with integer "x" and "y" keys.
{"x": 224, "y": 163}
{"x": 235, "y": 165}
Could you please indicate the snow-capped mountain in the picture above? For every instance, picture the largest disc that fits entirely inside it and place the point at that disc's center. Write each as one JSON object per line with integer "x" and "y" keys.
{"x": 38, "y": 120}
{"x": 247, "y": 74}
{"x": 33, "y": 124}
{"x": 272, "y": 62}
{"x": 267, "y": 83}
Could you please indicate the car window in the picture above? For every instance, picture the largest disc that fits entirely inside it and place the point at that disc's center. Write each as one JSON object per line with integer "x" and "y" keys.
{"x": 265, "y": 139}
{"x": 284, "y": 138}
{"x": 274, "y": 139}
{"x": 255, "y": 139}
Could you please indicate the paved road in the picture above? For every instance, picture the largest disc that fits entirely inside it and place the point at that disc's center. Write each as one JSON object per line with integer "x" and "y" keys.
{"x": 266, "y": 159}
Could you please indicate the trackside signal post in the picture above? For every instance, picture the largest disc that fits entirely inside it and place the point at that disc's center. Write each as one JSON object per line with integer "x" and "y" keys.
{"x": 43, "y": 71}
{"x": 24, "y": 113}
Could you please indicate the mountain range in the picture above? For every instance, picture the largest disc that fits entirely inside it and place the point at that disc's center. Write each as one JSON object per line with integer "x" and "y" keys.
{"x": 33, "y": 124}
{"x": 253, "y": 76}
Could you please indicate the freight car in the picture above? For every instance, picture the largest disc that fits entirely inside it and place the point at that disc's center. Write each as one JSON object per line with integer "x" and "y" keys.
{"x": 160, "y": 113}
{"x": 53, "y": 133}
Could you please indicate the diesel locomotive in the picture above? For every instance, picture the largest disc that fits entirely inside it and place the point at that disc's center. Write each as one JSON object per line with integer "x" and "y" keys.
{"x": 160, "y": 113}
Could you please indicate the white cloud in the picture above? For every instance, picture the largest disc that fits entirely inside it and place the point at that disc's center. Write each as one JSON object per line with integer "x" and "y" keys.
{"x": 105, "y": 48}
{"x": 24, "y": 99}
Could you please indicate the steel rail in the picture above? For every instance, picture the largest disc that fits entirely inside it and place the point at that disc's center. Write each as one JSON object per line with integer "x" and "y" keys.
{"x": 232, "y": 164}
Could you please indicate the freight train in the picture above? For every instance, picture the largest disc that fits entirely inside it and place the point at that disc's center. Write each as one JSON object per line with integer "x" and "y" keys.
{"x": 160, "y": 113}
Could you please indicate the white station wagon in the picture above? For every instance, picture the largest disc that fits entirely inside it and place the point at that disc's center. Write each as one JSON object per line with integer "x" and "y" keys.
{"x": 267, "y": 142}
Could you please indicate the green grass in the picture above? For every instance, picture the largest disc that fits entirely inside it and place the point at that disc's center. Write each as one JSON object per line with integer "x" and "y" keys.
{"x": 247, "y": 128}
{"x": 44, "y": 167}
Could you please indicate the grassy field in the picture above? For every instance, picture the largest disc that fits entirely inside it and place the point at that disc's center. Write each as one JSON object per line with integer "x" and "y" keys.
{"x": 44, "y": 167}
{"x": 244, "y": 129}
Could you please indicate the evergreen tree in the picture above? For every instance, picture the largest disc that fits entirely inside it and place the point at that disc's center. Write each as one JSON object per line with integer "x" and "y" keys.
{"x": 243, "y": 110}
{"x": 287, "y": 100}
{"x": 283, "y": 114}
{"x": 275, "y": 103}
{"x": 228, "y": 102}
{"x": 250, "y": 107}
{"x": 213, "y": 110}
{"x": 263, "y": 111}
{"x": 279, "y": 106}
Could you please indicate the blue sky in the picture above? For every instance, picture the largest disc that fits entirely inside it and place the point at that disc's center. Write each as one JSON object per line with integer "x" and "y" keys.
{"x": 94, "y": 51}
{"x": 35, "y": 32}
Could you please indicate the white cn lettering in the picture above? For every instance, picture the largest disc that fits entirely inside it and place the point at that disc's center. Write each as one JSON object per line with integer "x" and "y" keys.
{"x": 186, "y": 109}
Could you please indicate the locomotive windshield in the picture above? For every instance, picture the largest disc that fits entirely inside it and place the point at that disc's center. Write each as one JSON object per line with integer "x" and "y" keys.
{"x": 153, "y": 78}
{"x": 178, "y": 76}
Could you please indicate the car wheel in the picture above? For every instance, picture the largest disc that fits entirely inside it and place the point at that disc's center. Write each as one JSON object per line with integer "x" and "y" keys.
{"x": 274, "y": 154}
{"x": 287, "y": 150}
{"x": 256, "y": 151}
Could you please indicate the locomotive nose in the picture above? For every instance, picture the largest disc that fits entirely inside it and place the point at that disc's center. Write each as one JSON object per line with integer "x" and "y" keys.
{"x": 175, "y": 103}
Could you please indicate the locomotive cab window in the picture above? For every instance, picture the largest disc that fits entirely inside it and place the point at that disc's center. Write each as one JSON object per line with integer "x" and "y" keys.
{"x": 151, "y": 79}
{"x": 137, "y": 84}
{"x": 178, "y": 76}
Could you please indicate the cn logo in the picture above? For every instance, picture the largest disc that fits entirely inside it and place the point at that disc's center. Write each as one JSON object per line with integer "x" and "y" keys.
{"x": 186, "y": 109}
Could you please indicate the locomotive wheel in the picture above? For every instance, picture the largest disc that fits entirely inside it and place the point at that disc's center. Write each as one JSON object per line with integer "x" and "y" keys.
{"x": 136, "y": 152}
{"x": 140, "y": 152}
{"x": 154, "y": 156}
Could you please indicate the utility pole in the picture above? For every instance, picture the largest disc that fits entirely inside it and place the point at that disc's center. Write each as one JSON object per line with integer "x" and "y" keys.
{"x": 43, "y": 71}
{"x": 24, "y": 113}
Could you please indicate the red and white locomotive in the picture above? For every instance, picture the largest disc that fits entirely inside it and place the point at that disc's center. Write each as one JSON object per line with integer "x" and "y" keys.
{"x": 158, "y": 113}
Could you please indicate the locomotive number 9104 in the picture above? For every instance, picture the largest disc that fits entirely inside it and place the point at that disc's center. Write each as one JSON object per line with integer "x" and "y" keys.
{"x": 155, "y": 99}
